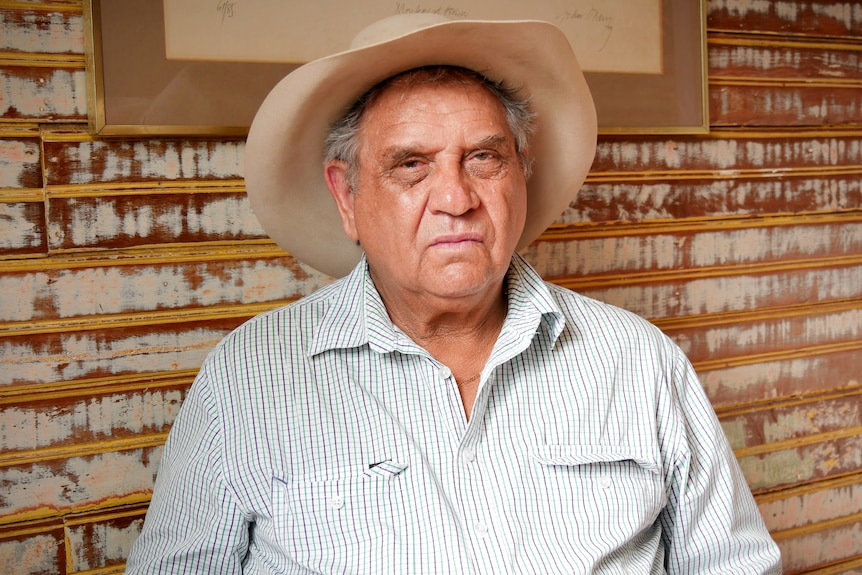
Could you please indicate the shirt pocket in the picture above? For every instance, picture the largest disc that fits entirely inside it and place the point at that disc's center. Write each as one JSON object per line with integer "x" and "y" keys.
{"x": 608, "y": 495}
{"x": 345, "y": 521}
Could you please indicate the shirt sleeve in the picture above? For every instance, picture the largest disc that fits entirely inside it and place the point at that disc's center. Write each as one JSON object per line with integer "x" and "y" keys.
{"x": 193, "y": 524}
{"x": 711, "y": 524}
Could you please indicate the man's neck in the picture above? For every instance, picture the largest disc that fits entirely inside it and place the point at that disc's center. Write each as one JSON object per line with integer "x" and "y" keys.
{"x": 434, "y": 321}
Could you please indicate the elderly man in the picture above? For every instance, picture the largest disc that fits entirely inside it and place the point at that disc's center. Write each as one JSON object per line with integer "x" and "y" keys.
{"x": 441, "y": 409}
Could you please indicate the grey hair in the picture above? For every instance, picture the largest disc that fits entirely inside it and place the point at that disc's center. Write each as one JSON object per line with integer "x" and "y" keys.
{"x": 342, "y": 140}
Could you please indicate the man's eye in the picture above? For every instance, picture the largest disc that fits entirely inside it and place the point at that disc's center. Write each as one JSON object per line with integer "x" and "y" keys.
{"x": 485, "y": 164}
{"x": 410, "y": 171}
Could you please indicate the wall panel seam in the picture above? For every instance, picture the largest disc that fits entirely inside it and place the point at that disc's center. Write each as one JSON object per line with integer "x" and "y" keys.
{"x": 772, "y": 356}
{"x": 83, "y": 449}
{"x": 795, "y": 442}
{"x": 809, "y": 488}
{"x": 794, "y": 532}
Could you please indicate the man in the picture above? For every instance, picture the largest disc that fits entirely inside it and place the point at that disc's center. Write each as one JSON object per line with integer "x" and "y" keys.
{"x": 441, "y": 409}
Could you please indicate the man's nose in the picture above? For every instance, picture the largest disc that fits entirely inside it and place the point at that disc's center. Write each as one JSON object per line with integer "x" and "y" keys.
{"x": 452, "y": 191}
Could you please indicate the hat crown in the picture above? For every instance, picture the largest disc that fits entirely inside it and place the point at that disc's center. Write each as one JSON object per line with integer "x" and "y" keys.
{"x": 284, "y": 151}
{"x": 394, "y": 27}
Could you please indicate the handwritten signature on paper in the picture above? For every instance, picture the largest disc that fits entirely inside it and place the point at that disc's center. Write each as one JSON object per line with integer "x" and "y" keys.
{"x": 594, "y": 17}
{"x": 226, "y": 9}
{"x": 449, "y": 10}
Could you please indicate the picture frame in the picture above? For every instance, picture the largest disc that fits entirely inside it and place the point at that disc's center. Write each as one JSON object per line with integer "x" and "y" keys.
{"x": 134, "y": 89}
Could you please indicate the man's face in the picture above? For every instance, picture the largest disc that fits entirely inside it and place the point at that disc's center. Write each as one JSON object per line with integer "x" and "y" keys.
{"x": 440, "y": 198}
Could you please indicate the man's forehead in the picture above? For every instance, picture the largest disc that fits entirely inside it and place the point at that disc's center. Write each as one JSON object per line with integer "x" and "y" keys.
{"x": 400, "y": 106}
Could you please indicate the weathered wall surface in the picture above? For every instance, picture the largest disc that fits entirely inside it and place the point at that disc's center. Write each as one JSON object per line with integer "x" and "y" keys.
{"x": 122, "y": 261}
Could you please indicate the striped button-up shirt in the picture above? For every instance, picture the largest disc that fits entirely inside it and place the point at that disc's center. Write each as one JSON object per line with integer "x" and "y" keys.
{"x": 319, "y": 438}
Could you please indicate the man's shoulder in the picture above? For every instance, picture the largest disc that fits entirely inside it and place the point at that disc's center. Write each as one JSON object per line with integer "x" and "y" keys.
{"x": 593, "y": 314}
{"x": 290, "y": 320}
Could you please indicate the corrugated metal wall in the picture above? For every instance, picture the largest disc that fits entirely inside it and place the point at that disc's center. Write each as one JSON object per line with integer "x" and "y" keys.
{"x": 123, "y": 261}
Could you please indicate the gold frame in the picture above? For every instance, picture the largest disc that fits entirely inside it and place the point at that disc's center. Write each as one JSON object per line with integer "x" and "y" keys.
{"x": 133, "y": 90}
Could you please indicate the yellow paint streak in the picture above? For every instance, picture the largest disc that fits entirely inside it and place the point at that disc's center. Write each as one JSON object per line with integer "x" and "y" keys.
{"x": 749, "y": 42}
{"x": 110, "y": 570}
{"x": 49, "y": 512}
{"x": 809, "y": 351}
{"x": 724, "y": 174}
{"x": 580, "y": 232}
{"x": 87, "y": 388}
{"x": 81, "y": 450}
{"x": 785, "y": 82}
{"x": 30, "y": 60}
{"x": 838, "y": 568}
{"x": 164, "y": 254}
{"x": 21, "y": 196}
{"x": 686, "y": 276}
{"x": 815, "y": 527}
{"x": 809, "y": 488}
{"x": 724, "y": 412}
{"x": 44, "y": 6}
{"x": 133, "y": 319}
{"x": 97, "y": 190}
{"x": 102, "y": 515}
{"x": 785, "y": 444}
{"x": 24, "y": 530}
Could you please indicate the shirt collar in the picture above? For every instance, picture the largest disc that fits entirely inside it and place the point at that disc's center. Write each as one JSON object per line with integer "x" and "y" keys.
{"x": 530, "y": 301}
{"x": 357, "y": 316}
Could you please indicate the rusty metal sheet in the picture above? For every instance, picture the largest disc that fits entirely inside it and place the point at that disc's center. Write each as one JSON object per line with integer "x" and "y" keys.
{"x": 734, "y": 57}
{"x": 836, "y": 18}
{"x": 708, "y": 338}
{"x": 93, "y": 164}
{"x": 732, "y": 383}
{"x": 76, "y": 483}
{"x": 804, "y": 463}
{"x": 53, "y": 419}
{"x": 43, "y": 94}
{"x": 808, "y": 505}
{"x": 22, "y": 229}
{"x": 689, "y": 293}
{"x": 111, "y": 351}
{"x": 594, "y": 251}
{"x": 824, "y": 548}
{"x": 125, "y": 220}
{"x": 736, "y": 196}
{"x": 33, "y": 548}
{"x": 42, "y": 29}
{"x": 20, "y": 164}
{"x": 729, "y": 153}
{"x": 791, "y": 420}
{"x": 102, "y": 539}
{"x": 783, "y": 104}
{"x": 133, "y": 285}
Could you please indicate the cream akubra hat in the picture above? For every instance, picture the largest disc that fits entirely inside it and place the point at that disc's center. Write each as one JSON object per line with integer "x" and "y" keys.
{"x": 285, "y": 147}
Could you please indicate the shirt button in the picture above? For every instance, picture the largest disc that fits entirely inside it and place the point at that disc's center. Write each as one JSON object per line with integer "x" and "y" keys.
{"x": 604, "y": 482}
{"x": 469, "y": 455}
{"x": 336, "y": 502}
{"x": 481, "y": 529}
{"x": 444, "y": 373}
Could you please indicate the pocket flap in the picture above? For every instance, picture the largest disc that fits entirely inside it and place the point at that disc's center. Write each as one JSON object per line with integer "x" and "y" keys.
{"x": 591, "y": 454}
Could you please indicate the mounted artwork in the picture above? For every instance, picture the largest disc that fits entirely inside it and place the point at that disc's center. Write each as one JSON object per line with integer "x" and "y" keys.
{"x": 192, "y": 67}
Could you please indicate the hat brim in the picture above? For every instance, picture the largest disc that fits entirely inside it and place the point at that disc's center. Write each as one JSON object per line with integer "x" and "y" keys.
{"x": 285, "y": 147}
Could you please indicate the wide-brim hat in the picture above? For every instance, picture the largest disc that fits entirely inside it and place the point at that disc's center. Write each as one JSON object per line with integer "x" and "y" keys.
{"x": 284, "y": 154}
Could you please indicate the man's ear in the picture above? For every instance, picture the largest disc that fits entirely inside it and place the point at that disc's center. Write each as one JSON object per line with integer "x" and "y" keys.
{"x": 335, "y": 173}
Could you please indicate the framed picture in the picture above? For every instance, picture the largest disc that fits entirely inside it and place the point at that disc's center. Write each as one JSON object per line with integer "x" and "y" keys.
{"x": 202, "y": 67}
